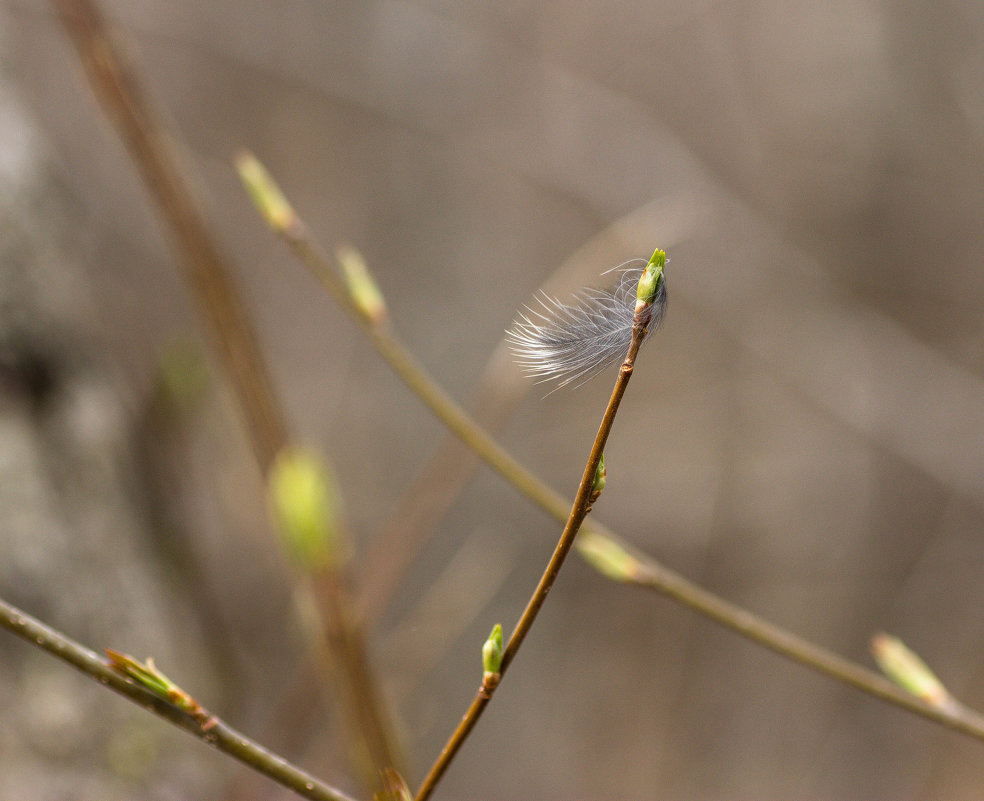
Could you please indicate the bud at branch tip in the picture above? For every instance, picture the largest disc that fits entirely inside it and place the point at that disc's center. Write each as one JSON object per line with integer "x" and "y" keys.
{"x": 650, "y": 279}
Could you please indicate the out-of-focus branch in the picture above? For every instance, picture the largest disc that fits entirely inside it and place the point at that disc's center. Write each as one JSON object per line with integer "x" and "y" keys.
{"x": 118, "y": 90}
{"x": 591, "y": 485}
{"x": 204, "y": 726}
{"x": 623, "y": 563}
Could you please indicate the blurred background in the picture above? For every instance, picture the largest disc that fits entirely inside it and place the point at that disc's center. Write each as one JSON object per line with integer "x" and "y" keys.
{"x": 805, "y": 436}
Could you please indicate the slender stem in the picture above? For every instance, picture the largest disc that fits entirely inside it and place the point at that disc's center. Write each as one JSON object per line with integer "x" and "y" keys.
{"x": 215, "y": 732}
{"x": 118, "y": 88}
{"x": 348, "y": 659}
{"x": 207, "y": 273}
{"x": 578, "y": 512}
{"x": 669, "y": 583}
{"x": 649, "y": 574}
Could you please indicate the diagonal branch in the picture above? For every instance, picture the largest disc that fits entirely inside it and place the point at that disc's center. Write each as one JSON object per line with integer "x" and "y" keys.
{"x": 213, "y": 731}
{"x": 206, "y": 271}
{"x": 623, "y": 563}
{"x": 579, "y": 510}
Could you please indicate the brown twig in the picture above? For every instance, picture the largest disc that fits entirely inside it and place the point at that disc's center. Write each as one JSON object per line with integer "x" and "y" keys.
{"x": 579, "y": 510}
{"x": 349, "y": 660}
{"x": 116, "y": 85}
{"x": 209, "y": 729}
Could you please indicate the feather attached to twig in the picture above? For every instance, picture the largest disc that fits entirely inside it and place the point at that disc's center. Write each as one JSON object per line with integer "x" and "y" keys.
{"x": 573, "y": 342}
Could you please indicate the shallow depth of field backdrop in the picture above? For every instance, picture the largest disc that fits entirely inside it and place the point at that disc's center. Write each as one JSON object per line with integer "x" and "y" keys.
{"x": 805, "y": 436}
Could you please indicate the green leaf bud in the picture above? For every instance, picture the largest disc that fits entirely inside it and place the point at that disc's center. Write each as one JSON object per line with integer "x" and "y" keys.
{"x": 651, "y": 276}
{"x": 600, "y": 479}
{"x": 266, "y": 195}
{"x": 907, "y": 670}
{"x": 607, "y": 557}
{"x": 492, "y": 652}
{"x": 305, "y": 503}
{"x": 361, "y": 285}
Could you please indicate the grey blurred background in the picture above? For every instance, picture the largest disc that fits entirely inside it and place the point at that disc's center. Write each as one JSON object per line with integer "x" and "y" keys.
{"x": 805, "y": 436}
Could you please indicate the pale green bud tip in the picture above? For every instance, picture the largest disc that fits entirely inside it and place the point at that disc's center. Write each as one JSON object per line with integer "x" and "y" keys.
{"x": 361, "y": 285}
{"x": 147, "y": 675}
{"x": 907, "y": 670}
{"x": 607, "y": 557}
{"x": 304, "y": 502}
{"x": 600, "y": 479}
{"x": 265, "y": 193}
{"x": 144, "y": 673}
{"x": 492, "y": 651}
{"x": 651, "y": 276}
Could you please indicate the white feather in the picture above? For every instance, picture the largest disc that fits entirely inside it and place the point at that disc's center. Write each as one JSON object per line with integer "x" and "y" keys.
{"x": 574, "y": 342}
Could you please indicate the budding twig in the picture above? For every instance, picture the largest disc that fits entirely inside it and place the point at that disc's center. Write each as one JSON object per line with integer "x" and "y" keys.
{"x": 144, "y": 685}
{"x": 607, "y": 552}
{"x": 650, "y": 286}
{"x": 574, "y": 342}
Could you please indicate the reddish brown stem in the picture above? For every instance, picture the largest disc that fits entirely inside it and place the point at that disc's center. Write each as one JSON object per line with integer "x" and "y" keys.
{"x": 579, "y": 511}
{"x": 119, "y": 92}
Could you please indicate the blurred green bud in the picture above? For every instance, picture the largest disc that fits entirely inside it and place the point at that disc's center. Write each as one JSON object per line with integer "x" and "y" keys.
{"x": 651, "y": 276}
{"x": 305, "y": 503}
{"x": 492, "y": 652}
{"x": 907, "y": 670}
{"x": 266, "y": 195}
{"x": 607, "y": 557}
{"x": 361, "y": 285}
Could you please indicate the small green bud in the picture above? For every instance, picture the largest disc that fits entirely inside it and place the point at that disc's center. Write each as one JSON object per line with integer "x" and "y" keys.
{"x": 600, "y": 479}
{"x": 147, "y": 675}
{"x": 305, "y": 503}
{"x": 651, "y": 276}
{"x": 266, "y": 195}
{"x": 492, "y": 652}
{"x": 907, "y": 670}
{"x": 607, "y": 557}
{"x": 144, "y": 673}
{"x": 361, "y": 285}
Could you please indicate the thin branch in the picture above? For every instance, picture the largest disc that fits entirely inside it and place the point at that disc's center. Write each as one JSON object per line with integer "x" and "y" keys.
{"x": 661, "y": 578}
{"x": 441, "y": 478}
{"x": 348, "y": 658}
{"x": 212, "y": 730}
{"x": 646, "y": 572}
{"x": 579, "y": 510}
{"x": 118, "y": 88}
{"x": 115, "y": 84}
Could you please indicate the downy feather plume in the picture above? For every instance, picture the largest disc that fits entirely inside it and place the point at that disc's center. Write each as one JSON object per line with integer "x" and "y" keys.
{"x": 567, "y": 343}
